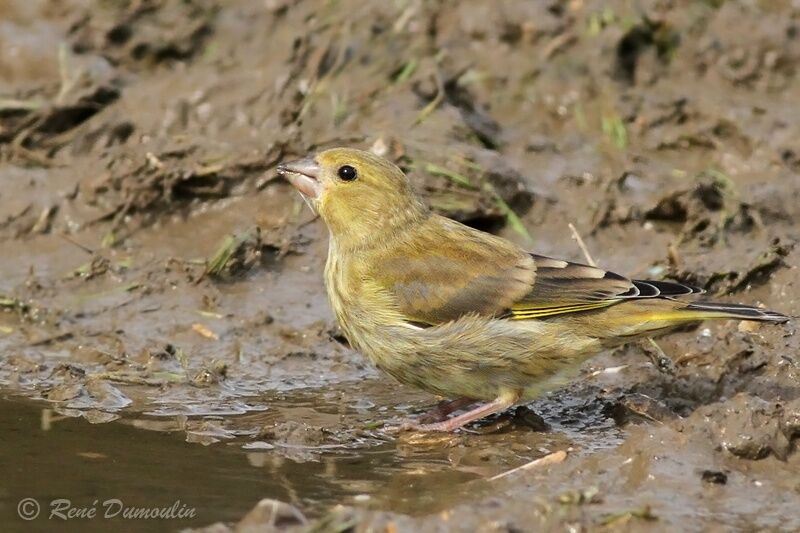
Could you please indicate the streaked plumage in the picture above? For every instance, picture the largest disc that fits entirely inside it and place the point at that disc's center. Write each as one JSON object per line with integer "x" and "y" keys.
{"x": 462, "y": 313}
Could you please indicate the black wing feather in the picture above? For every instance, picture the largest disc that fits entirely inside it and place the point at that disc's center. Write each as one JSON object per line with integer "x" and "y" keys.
{"x": 568, "y": 287}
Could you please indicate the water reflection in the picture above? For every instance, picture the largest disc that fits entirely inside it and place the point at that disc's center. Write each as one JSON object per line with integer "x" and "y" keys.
{"x": 312, "y": 449}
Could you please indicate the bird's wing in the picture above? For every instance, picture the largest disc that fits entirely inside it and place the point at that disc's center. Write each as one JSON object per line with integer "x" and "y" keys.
{"x": 446, "y": 271}
{"x": 566, "y": 287}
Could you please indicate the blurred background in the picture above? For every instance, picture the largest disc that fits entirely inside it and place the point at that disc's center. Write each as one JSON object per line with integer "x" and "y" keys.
{"x": 164, "y": 333}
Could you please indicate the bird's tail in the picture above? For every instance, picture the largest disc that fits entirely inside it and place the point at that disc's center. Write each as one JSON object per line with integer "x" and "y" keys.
{"x": 655, "y": 316}
{"x": 711, "y": 310}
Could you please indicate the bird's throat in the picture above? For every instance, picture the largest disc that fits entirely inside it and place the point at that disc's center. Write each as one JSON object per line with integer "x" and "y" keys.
{"x": 380, "y": 229}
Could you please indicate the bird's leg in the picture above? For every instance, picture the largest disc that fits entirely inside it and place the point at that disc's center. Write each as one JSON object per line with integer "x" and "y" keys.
{"x": 443, "y": 410}
{"x": 436, "y": 414}
{"x": 495, "y": 406}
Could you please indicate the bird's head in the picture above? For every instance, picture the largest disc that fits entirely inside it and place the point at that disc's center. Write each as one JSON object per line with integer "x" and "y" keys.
{"x": 358, "y": 194}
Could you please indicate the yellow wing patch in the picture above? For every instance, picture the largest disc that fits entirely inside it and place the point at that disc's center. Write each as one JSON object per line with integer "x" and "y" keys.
{"x": 525, "y": 312}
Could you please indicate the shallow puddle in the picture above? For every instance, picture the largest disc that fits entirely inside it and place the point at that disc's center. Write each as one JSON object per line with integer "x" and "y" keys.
{"x": 311, "y": 448}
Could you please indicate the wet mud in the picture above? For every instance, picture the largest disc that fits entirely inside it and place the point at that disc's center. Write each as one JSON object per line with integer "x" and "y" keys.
{"x": 163, "y": 323}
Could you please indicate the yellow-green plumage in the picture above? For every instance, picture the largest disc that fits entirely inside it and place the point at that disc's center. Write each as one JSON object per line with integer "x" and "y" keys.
{"x": 462, "y": 313}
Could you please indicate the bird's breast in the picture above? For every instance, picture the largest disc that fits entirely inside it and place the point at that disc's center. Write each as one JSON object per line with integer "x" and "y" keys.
{"x": 363, "y": 310}
{"x": 346, "y": 298}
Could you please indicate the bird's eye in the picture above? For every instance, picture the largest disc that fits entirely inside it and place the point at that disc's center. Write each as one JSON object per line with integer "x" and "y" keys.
{"x": 347, "y": 173}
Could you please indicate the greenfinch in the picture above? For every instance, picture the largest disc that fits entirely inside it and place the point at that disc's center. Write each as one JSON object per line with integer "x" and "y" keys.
{"x": 465, "y": 314}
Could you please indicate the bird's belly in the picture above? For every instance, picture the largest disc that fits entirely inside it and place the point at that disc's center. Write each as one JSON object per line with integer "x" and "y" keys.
{"x": 474, "y": 357}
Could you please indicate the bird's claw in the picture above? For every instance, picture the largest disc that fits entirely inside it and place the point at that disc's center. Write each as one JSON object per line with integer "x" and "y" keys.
{"x": 416, "y": 426}
{"x": 408, "y": 425}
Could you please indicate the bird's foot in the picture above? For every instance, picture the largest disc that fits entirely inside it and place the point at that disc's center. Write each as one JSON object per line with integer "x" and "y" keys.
{"x": 452, "y": 424}
{"x": 417, "y": 427}
{"x": 431, "y": 417}
{"x": 443, "y": 409}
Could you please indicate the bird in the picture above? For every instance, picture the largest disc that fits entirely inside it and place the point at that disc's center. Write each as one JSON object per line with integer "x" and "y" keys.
{"x": 464, "y": 314}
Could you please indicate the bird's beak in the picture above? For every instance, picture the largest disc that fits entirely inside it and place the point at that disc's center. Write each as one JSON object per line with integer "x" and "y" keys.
{"x": 304, "y": 174}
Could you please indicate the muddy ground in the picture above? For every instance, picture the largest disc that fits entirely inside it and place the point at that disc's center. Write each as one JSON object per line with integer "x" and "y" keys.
{"x": 164, "y": 325}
